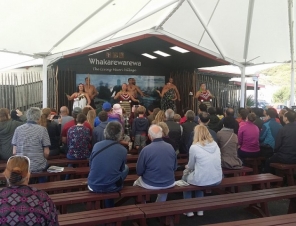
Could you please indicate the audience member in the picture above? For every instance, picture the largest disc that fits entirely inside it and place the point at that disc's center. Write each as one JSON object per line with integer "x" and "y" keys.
{"x": 91, "y": 115}
{"x": 22, "y": 204}
{"x": 53, "y": 129}
{"x": 98, "y": 133}
{"x": 156, "y": 164}
{"x": 281, "y": 116}
{"x": 177, "y": 118}
{"x": 165, "y": 134}
{"x": 201, "y": 108}
{"x": 107, "y": 163}
{"x": 285, "y": 143}
{"x": 214, "y": 120}
{"x": 7, "y": 128}
{"x": 111, "y": 116}
{"x": 32, "y": 140}
{"x": 174, "y": 128}
{"x": 64, "y": 113}
{"x": 219, "y": 112}
{"x": 160, "y": 117}
{"x": 204, "y": 119}
{"x": 204, "y": 165}
{"x": 228, "y": 143}
{"x": 68, "y": 125}
{"x": 188, "y": 128}
{"x": 229, "y": 113}
{"x": 248, "y": 138}
{"x": 258, "y": 122}
{"x": 16, "y": 115}
{"x": 140, "y": 129}
{"x": 79, "y": 139}
{"x": 243, "y": 117}
{"x": 152, "y": 115}
{"x": 268, "y": 134}
{"x": 183, "y": 116}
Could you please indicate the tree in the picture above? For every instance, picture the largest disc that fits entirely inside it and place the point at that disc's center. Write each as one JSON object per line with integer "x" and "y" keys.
{"x": 282, "y": 95}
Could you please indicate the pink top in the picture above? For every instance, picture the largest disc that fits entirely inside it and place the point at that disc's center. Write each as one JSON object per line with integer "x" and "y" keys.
{"x": 248, "y": 137}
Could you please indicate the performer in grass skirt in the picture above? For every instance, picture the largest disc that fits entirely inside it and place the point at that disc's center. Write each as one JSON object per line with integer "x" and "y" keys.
{"x": 125, "y": 98}
{"x": 204, "y": 96}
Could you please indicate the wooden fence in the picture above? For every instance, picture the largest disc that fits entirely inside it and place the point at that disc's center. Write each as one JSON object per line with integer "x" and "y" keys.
{"x": 188, "y": 83}
{"x": 20, "y": 90}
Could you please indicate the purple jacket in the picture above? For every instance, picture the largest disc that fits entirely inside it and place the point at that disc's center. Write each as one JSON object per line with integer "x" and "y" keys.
{"x": 248, "y": 137}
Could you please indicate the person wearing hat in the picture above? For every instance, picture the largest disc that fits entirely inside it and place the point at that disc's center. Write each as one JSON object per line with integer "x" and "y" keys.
{"x": 107, "y": 107}
{"x": 22, "y": 204}
{"x": 68, "y": 125}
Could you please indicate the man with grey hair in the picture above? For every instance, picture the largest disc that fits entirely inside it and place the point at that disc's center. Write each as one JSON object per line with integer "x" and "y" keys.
{"x": 107, "y": 163}
{"x": 156, "y": 164}
{"x": 32, "y": 140}
{"x": 175, "y": 128}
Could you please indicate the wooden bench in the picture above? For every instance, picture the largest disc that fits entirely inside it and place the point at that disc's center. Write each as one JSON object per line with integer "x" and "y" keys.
{"x": 254, "y": 163}
{"x": 93, "y": 200}
{"x": 51, "y": 176}
{"x": 287, "y": 170}
{"x": 288, "y": 219}
{"x": 103, "y": 216}
{"x": 171, "y": 210}
{"x": 142, "y": 195}
{"x": 62, "y": 186}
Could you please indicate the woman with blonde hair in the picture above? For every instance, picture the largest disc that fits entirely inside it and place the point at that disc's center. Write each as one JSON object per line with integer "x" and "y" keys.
{"x": 91, "y": 116}
{"x": 24, "y": 205}
{"x": 160, "y": 117}
{"x": 204, "y": 165}
{"x": 53, "y": 129}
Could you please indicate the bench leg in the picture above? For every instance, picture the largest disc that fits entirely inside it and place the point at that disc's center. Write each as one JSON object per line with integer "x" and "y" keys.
{"x": 260, "y": 210}
{"x": 292, "y": 206}
{"x": 290, "y": 177}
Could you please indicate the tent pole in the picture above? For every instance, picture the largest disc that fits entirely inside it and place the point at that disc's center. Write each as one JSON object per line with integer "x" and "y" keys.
{"x": 169, "y": 15}
{"x": 127, "y": 25}
{"x": 248, "y": 29}
{"x": 80, "y": 24}
{"x": 205, "y": 27}
{"x": 292, "y": 43}
{"x": 44, "y": 83}
{"x": 243, "y": 86}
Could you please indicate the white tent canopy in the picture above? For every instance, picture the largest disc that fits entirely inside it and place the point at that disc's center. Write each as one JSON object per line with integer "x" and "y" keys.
{"x": 238, "y": 31}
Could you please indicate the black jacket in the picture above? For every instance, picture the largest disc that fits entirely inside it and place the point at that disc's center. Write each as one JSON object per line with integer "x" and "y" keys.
{"x": 285, "y": 144}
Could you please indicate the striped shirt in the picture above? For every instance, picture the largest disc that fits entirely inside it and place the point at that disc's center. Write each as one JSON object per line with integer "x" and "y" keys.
{"x": 30, "y": 139}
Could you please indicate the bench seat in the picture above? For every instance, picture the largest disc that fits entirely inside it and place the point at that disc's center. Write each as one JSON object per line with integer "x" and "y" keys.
{"x": 288, "y": 219}
{"x": 287, "y": 170}
{"x": 93, "y": 200}
{"x": 142, "y": 194}
{"x": 172, "y": 209}
{"x": 102, "y": 216}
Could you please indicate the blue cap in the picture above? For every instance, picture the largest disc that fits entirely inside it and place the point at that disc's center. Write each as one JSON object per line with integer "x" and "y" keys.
{"x": 107, "y": 106}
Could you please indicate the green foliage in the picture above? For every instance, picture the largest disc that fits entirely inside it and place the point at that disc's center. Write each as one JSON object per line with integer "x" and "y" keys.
{"x": 282, "y": 95}
{"x": 250, "y": 101}
{"x": 277, "y": 76}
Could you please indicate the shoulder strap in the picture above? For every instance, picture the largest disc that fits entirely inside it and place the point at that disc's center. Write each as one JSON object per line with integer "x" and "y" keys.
{"x": 227, "y": 141}
{"x": 104, "y": 148}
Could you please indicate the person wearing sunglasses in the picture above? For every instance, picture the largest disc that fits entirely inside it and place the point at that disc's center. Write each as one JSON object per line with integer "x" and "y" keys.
{"x": 21, "y": 204}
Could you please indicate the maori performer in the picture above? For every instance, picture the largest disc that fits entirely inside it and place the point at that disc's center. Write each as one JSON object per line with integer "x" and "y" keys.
{"x": 91, "y": 91}
{"x": 204, "y": 95}
{"x": 168, "y": 96}
{"x": 81, "y": 98}
{"x": 125, "y": 98}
